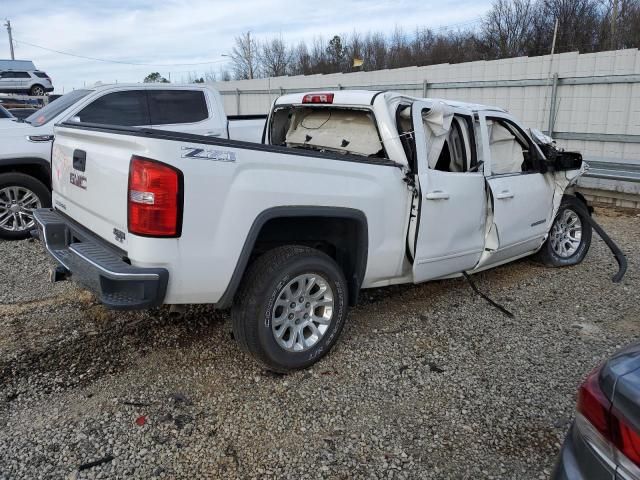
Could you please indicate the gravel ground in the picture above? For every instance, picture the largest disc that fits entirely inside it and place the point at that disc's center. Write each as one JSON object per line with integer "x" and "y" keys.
{"x": 427, "y": 381}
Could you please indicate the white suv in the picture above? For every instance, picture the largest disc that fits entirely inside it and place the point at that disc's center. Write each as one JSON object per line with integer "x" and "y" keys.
{"x": 32, "y": 82}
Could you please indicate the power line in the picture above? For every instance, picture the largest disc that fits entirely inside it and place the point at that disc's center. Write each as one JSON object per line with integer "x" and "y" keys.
{"x": 118, "y": 61}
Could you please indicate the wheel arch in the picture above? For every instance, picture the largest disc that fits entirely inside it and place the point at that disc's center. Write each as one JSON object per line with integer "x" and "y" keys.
{"x": 340, "y": 232}
{"x": 581, "y": 197}
{"x": 38, "y": 168}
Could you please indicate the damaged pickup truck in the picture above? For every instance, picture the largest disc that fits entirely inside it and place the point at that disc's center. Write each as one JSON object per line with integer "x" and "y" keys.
{"x": 349, "y": 190}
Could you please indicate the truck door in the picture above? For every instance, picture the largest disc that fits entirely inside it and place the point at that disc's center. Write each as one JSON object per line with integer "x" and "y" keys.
{"x": 522, "y": 196}
{"x": 452, "y": 206}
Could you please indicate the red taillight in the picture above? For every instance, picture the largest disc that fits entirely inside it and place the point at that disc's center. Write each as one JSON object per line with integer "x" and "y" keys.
{"x": 627, "y": 440}
{"x": 596, "y": 407}
{"x": 593, "y": 403}
{"x": 318, "y": 98}
{"x": 155, "y": 198}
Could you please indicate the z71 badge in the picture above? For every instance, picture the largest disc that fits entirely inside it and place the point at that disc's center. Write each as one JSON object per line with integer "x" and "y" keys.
{"x": 78, "y": 180}
{"x": 208, "y": 154}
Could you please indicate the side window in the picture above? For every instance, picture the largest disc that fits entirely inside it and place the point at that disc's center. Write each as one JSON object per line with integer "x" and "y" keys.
{"x": 511, "y": 151}
{"x": 120, "y": 108}
{"x": 167, "y": 107}
{"x": 457, "y": 152}
{"x": 15, "y": 75}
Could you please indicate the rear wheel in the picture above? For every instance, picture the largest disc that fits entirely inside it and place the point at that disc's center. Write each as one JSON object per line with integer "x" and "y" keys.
{"x": 20, "y": 195}
{"x": 570, "y": 236}
{"x": 291, "y": 307}
{"x": 37, "y": 91}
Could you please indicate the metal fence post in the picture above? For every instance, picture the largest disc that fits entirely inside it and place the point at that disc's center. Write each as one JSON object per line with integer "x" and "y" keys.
{"x": 237, "y": 101}
{"x": 552, "y": 105}
{"x": 425, "y": 87}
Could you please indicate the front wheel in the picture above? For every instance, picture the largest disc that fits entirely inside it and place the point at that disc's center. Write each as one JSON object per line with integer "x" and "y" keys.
{"x": 290, "y": 308}
{"x": 570, "y": 236}
{"x": 37, "y": 91}
{"x": 20, "y": 195}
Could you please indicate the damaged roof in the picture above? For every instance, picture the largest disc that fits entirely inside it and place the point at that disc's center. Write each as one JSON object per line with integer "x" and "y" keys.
{"x": 367, "y": 97}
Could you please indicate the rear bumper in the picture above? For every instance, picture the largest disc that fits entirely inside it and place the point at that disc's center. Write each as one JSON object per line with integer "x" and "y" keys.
{"x": 98, "y": 267}
{"x": 578, "y": 461}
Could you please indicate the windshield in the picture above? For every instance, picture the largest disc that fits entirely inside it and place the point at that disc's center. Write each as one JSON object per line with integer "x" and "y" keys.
{"x": 333, "y": 129}
{"x": 48, "y": 113}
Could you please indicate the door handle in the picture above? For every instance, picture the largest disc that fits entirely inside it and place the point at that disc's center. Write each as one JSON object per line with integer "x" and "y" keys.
{"x": 437, "y": 195}
{"x": 504, "y": 195}
{"x": 213, "y": 134}
{"x": 79, "y": 160}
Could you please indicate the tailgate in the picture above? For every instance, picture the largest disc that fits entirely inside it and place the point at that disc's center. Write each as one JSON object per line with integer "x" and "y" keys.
{"x": 90, "y": 173}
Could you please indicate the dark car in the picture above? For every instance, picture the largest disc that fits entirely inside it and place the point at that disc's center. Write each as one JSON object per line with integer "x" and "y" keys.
{"x": 604, "y": 440}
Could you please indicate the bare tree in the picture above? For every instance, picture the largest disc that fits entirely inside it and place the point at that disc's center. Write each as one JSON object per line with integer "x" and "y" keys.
{"x": 578, "y": 24}
{"x": 375, "y": 51}
{"x": 275, "y": 58}
{"x": 245, "y": 57}
{"x": 301, "y": 63}
{"x": 508, "y": 28}
{"x": 354, "y": 51}
{"x": 398, "y": 51}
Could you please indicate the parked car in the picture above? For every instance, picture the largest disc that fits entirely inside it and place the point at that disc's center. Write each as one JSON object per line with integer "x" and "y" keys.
{"x": 353, "y": 189}
{"x": 604, "y": 439}
{"x": 32, "y": 82}
{"x": 22, "y": 113}
{"x": 25, "y": 146}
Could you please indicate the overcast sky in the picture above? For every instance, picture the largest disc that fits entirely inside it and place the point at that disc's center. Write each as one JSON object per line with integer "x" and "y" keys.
{"x": 192, "y": 31}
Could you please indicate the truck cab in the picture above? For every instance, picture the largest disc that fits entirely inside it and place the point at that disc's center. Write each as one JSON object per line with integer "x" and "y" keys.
{"x": 474, "y": 170}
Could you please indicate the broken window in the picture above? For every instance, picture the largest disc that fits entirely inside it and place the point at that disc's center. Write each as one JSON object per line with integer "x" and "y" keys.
{"x": 449, "y": 140}
{"x": 340, "y": 130}
{"x": 454, "y": 156}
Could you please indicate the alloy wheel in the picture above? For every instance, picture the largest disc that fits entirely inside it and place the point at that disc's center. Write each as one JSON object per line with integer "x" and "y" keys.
{"x": 16, "y": 208}
{"x": 302, "y": 312}
{"x": 566, "y": 234}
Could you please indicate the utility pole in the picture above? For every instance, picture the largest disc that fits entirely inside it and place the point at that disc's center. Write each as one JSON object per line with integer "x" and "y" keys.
{"x": 553, "y": 42}
{"x": 8, "y": 25}
{"x": 614, "y": 22}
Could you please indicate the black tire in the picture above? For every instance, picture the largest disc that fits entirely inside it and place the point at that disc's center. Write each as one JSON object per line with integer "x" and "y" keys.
{"x": 264, "y": 281}
{"x": 23, "y": 181}
{"x": 548, "y": 255}
{"x": 36, "y": 91}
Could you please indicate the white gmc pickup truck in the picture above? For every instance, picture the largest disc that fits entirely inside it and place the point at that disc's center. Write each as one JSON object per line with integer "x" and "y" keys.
{"x": 350, "y": 190}
{"x": 25, "y": 145}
